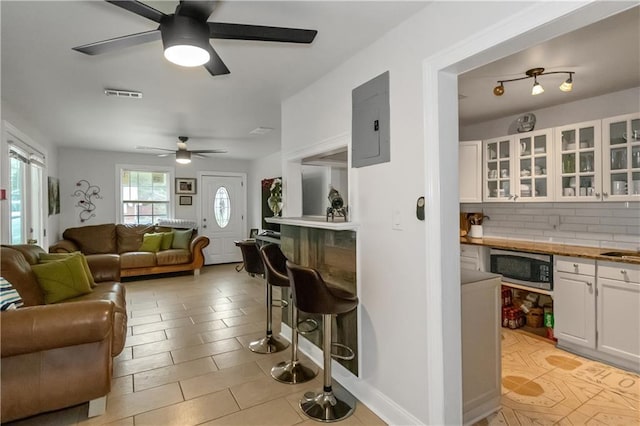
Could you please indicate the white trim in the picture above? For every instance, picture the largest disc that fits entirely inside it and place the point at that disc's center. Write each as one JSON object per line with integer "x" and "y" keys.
{"x": 243, "y": 176}
{"x": 145, "y": 168}
{"x": 535, "y": 23}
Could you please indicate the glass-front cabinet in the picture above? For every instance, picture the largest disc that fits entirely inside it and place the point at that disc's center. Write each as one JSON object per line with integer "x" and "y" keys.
{"x": 534, "y": 166}
{"x": 519, "y": 168}
{"x": 578, "y": 167}
{"x": 498, "y": 169}
{"x": 621, "y": 158}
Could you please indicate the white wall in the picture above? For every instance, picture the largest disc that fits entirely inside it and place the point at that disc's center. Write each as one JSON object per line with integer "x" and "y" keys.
{"x": 596, "y": 108}
{"x": 99, "y": 168}
{"x": 391, "y": 281}
{"x": 21, "y": 122}
{"x": 263, "y": 168}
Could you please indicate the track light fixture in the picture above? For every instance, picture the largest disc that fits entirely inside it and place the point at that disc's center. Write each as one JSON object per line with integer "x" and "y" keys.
{"x": 537, "y": 88}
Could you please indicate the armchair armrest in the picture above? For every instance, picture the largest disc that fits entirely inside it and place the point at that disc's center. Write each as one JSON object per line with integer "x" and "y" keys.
{"x": 64, "y": 246}
{"x": 104, "y": 267}
{"x": 43, "y": 327}
{"x": 196, "y": 247}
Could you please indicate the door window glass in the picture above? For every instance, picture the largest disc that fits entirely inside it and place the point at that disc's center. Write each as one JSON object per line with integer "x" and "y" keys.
{"x": 222, "y": 207}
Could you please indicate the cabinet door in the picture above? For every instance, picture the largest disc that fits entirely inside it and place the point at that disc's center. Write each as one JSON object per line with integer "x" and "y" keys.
{"x": 574, "y": 309}
{"x": 621, "y": 158}
{"x": 578, "y": 168}
{"x": 498, "y": 169}
{"x": 470, "y": 175}
{"x": 533, "y": 175}
{"x": 619, "y": 318}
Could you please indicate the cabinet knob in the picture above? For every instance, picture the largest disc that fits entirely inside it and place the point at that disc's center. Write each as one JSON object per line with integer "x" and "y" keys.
{"x": 604, "y": 194}
{"x": 623, "y": 271}
{"x": 589, "y": 283}
{"x": 575, "y": 265}
{"x": 597, "y": 194}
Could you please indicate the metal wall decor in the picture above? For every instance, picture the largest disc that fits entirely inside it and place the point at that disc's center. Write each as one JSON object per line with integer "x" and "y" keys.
{"x": 88, "y": 194}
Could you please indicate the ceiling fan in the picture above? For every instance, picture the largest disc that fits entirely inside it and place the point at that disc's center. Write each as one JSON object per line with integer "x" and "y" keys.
{"x": 183, "y": 155}
{"x": 185, "y": 34}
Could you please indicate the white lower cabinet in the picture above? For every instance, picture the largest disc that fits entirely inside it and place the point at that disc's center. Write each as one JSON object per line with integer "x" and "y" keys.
{"x": 574, "y": 297}
{"x": 619, "y": 311}
{"x": 474, "y": 258}
{"x": 597, "y": 309}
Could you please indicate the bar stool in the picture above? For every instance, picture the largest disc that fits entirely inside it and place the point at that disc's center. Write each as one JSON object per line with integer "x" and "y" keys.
{"x": 312, "y": 295}
{"x": 292, "y": 371}
{"x": 254, "y": 266}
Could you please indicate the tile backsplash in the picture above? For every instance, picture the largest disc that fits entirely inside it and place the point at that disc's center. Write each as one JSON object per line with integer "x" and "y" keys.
{"x": 608, "y": 225}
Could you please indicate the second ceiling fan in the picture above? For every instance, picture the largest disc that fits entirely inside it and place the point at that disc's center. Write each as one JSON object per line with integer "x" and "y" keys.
{"x": 183, "y": 155}
{"x": 185, "y": 34}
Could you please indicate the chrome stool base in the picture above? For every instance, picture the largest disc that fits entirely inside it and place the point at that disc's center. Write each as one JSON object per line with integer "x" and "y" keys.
{"x": 325, "y": 407}
{"x": 293, "y": 372}
{"x": 269, "y": 345}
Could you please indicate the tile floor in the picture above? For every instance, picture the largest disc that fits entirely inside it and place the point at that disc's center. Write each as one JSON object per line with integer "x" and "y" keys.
{"x": 543, "y": 385}
{"x": 186, "y": 360}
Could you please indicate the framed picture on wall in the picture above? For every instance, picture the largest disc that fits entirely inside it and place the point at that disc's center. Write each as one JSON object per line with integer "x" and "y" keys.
{"x": 185, "y": 186}
{"x": 185, "y": 200}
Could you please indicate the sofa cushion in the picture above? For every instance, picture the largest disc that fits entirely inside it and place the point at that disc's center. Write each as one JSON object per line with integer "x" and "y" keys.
{"x": 96, "y": 239}
{"x": 173, "y": 257}
{"x": 167, "y": 240}
{"x": 182, "y": 238}
{"x": 49, "y": 257}
{"x": 9, "y": 297}
{"x": 62, "y": 279}
{"x": 130, "y": 237}
{"x": 137, "y": 259}
{"x": 151, "y": 243}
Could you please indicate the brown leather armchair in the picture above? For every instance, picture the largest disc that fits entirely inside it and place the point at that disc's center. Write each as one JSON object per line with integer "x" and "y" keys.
{"x": 59, "y": 355}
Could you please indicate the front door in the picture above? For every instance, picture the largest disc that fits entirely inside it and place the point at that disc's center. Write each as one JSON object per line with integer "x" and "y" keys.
{"x": 223, "y": 217}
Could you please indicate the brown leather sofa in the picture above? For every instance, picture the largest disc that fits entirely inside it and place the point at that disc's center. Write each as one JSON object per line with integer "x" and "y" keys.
{"x": 59, "y": 355}
{"x": 125, "y": 240}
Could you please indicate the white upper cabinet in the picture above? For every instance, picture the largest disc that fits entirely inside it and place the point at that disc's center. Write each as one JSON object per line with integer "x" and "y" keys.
{"x": 470, "y": 171}
{"x": 578, "y": 167}
{"x": 621, "y": 158}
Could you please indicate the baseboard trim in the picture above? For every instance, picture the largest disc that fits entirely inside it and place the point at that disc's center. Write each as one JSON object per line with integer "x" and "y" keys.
{"x": 599, "y": 356}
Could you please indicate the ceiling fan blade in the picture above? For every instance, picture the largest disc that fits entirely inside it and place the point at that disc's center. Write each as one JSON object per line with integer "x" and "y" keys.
{"x": 200, "y": 10}
{"x": 119, "y": 42}
{"x": 153, "y": 147}
{"x": 139, "y": 8}
{"x": 215, "y": 66}
{"x": 209, "y": 151}
{"x": 259, "y": 32}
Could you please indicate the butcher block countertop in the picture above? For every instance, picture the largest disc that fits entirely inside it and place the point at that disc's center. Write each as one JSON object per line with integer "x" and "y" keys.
{"x": 597, "y": 253}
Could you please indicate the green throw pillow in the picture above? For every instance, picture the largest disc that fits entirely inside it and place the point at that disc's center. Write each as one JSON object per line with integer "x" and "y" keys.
{"x": 167, "y": 240}
{"x": 151, "y": 243}
{"x": 62, "y": 279}
{"x": 181, "y": 239}
{"x": 49, "y": 257}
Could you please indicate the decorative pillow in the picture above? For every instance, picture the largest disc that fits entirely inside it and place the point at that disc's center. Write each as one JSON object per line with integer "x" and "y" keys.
{"x": 9, "y": 297}
{"x": 62, "y": 279}
{"x": 181, "y": 239}
{"x": 167, "y": 240}
{"x": 50, "y": 257}
{"x": 151, "y": 243}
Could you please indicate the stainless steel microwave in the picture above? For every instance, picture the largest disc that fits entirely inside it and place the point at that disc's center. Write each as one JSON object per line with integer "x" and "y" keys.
{"x": 527, "y": 269}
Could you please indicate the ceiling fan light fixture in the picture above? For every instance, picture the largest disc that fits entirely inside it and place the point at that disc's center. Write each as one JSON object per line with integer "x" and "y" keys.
{"x": 567, "y": 85}
{"x": 185, "y": 41}
{"x": 183, "y": 157}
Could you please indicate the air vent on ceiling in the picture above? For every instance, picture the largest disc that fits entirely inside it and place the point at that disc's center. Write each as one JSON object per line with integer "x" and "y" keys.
{"x": 123, "y": 93}
{"x": 260, "y": 131}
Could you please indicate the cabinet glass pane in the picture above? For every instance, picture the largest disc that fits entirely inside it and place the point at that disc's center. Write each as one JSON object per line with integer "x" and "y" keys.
{"x": 540, "y": 168}
{"x": 540, "y": 144}
{"x": 525, "y": 146}
{"x": 541, "y": 187}
{"x": 504, "y": 169}
{"x": 618, "y": 158}
{"x": 525, "y": 188}
{"x": 568, "y": 163}
{"x": 635, "y": 130}
{"x": 619, "y": 184}
{"x": 587, "y": 186}
{"x": 568, "y": 186}
{"x": 587, "y": 139}
{"x": 493, "y": 189}
{"x": 504, "y": 149}
{"x": 568, "y": 140}
{"x": 635, "y": 183}
{"x": 586, "y": 161}
{"x": 617, "y": 132}
{"x": 525, "y": 167}
{"x": 635, "y": 157}
{"x": 492, "y": 151}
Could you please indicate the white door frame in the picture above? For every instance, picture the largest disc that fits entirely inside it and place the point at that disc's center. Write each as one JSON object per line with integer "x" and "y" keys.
{"x": 536, "y": 23}
{"x": 223, "y": 174}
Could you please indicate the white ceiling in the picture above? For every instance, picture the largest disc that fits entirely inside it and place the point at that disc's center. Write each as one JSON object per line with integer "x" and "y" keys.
{"x": 605, "y": 57}
{"x": 61, "y": 91}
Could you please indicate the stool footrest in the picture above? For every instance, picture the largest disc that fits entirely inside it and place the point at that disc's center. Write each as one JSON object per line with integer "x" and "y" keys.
{"x": 350, "y": 353}
{"x": 280, "y": 303}
{"x": 313, "y": 326}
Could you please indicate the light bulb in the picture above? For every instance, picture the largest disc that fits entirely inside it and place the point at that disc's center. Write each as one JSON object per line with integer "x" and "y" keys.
{"x": 567, "y": 86}
{"x": 537, "y": 88}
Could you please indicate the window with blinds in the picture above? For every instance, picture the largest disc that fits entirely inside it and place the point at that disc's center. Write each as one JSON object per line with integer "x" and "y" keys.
{"x": 145, "y": 195}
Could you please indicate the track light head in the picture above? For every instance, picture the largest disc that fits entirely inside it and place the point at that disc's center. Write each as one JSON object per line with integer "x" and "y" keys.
{"x": 537, "y": 87}
{"x": 498, "y": 90}
{"x": 567, "y": 86}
